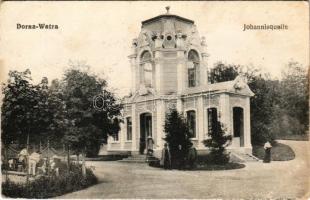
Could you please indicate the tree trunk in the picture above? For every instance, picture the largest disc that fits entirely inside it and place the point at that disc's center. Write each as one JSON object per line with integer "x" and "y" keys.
{"x": 6, "y": 163}
{"x": 83, "y": 164}
{"x": 28, "y": 140}
{"x": 27, "y": 164}
{"x": 68, "y": 158}
{"x": 48, "y": 157}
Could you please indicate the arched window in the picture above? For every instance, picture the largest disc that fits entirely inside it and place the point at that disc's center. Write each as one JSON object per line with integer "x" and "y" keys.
{"x": 193, "y": 68}
{"x": 146, "y": 69}
{"x": 146, "y": 56}
{"x": 191, "y": 121}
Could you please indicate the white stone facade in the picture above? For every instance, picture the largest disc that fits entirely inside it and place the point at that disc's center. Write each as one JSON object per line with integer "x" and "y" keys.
{"x": 169, "y": 69}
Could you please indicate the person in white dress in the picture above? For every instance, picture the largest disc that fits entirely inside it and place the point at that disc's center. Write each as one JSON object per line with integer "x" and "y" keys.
{"x": 34, "y": 158}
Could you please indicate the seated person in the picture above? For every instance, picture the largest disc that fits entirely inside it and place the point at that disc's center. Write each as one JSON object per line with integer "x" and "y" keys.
{"x": 55, "y": 165}
{"x": 12, "y": 164}
{"x": 42, "y": 166}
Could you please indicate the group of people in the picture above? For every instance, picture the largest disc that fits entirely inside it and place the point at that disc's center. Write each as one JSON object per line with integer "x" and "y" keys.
{"x": 178, "y": 159}
{"x": 34, "y": 163}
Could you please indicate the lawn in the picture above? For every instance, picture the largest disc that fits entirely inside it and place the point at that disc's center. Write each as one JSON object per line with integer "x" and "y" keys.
{"x": 304, "y": 137}
{"x": 279, "y": 152}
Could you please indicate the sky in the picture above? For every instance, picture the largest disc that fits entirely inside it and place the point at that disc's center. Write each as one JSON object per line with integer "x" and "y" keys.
{"x": 100, "y": 34}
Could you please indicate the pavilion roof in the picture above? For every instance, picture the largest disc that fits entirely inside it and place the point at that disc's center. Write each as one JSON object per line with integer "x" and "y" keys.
{"x": 237, "y": 86}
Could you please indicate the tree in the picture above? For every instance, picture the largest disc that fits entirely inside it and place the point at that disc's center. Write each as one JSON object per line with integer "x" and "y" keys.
{"x": 262, "y": 104}
{"x": 263, "y": 108}
{"x": 222, "y": 72}
{"x": 177, "y": 136}
{"x": 87, "y": 126}
{"x": 295, "y": 88}
{"x": 279, "y": 107}
{"x": 31, "y": 111}
{"x": 293, "y": 106}
{"x": 57, "y": 110}
{"x": 21, "y": 115}
{"x": 217, "y": 143}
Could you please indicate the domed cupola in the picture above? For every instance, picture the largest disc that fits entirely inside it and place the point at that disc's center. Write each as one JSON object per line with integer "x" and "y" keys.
{"x": 162, "y": 56}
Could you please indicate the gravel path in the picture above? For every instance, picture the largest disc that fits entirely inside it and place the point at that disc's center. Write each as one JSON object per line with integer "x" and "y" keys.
{"x": 282, "y": 179}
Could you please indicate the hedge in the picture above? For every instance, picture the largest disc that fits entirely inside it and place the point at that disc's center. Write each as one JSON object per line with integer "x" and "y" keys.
{"x": 50, "y": 186}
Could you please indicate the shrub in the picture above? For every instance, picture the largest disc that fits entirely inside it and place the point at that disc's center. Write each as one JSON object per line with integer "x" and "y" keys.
{"x": 177, "y": 137}
{"x": 217, "y": 143}
{"x": 50, "y": 186}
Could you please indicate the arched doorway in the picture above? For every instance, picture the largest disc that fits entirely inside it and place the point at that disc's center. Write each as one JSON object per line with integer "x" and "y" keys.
{"x": 238, "y": 120}
{"x": 145, "y": 130}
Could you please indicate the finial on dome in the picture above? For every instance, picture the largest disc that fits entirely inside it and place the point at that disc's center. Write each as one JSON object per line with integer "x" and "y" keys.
{"x": 167, "y": 8}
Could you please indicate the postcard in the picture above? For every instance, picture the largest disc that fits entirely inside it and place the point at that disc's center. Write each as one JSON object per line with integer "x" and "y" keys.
{"x": 155, "y": 99}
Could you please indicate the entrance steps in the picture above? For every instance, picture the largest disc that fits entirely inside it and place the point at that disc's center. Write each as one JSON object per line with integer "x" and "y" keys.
{"x": 243, "y": 157}
{"x": 140, "y": 158}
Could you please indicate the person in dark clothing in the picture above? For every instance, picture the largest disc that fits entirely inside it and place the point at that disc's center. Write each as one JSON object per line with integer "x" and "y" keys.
{"x": 142, "y": 146}
{"x": 180, "y": 158}
{"x": 166, "y": 157}
{"x": 192, "y": 157}
{"x": 267, "y": 157}
{"x": 150, "y": 144}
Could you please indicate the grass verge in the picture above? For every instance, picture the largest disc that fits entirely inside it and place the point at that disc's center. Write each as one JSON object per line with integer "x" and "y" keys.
{"x": 213, "y": 167}
{"x": 206, "y": 162}
{"x": 304, "y": 137}
{"x": 279, "y": 152}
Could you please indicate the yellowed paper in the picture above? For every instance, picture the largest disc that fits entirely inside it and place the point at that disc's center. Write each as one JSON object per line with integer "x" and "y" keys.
{"x": 50, "y": 37}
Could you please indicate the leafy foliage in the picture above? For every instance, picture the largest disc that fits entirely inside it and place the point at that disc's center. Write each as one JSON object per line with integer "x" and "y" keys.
{"x": 294, "y": 110}
{"x": 279, "y": 107}
{"x": 57, "y": 108}
{"x": 262, "y": 108}
{"x": 25, "y": 109}
{"x": 61, "y": 113}
{"x": 47, "y": 187}
{"x": 217, "y": 143}
{"x": 177, "y": 135}
{"x": 88, "y": 126}
{"x": 222, "y": 72}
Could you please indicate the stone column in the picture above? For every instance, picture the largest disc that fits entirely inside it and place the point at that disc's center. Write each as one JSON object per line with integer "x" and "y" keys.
{"x": 225, "y": 112}
{"x": 109, "y": 143}
{"x": 133, "y": 72}
{"x": 179, "y": 105}
{"x": 134, "y": 127}
{"x": 247, "y": 124}
{"x": 204, "y": 69}
{"x": 122, "y": 135}
{"x": 200, "y": 121}
{"x": 158, "y": 72}
{"x": 160, "y": 118}
{"x": 181, "y": 65}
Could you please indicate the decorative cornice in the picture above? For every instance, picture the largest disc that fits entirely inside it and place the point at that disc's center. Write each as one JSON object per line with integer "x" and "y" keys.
{"x": 132, "y": 56}
{"x": 148, "y": 21}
